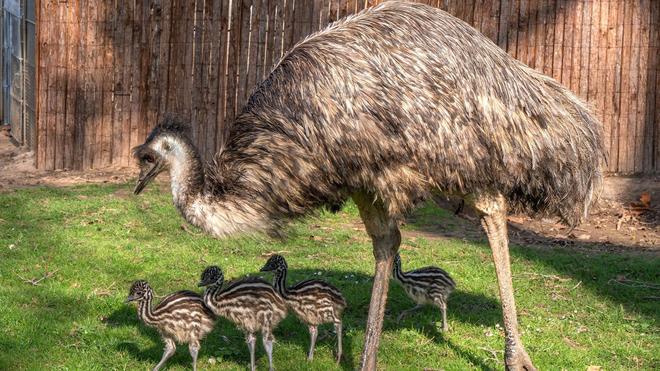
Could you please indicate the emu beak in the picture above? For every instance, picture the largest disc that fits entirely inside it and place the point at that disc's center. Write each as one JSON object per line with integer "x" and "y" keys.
{"x": 201, "y": 284}
{"x": 147, "y": 176}
{"x": 130, "y": 299}
{"x": 264, "y": 269}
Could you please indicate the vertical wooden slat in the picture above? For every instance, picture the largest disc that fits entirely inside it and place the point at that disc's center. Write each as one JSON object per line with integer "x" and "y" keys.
{"x": 606, "y": 92}
{"x": 558, "y": 40}
{"x": 600, "y": 27}
{"x": 613, "y": 83}
{"x": 580, "y": 72}
{"x": 197, "y": 116}
{"x": 548, "y": 46}
{"x": 503, "y": 27}
{"x": 512, "y": 28}
{"x": 207, "y": 99}
{"x": 264, "y": 41}
{"x": 625, "y": 89}
{"x": 221, "y": 121}
{"x": 210, "y": 61}
{"x": 643, "y": 132}
{"x": 567, "y": 45}
{"x": 653, "y": 94}
{"x": 107, "y": 84}
{"x": 189, "y": 51}
{"x": 633, "y": 128}
{"x": 255, "y": 46}
{"x": 523, "y": 28}
{"x": 129, "y": 64}
{"x": 541, "y": 23}
{"x": 73, "y": 30}
{"x": 90, "y": 104}
{"x": 120, "y": 85}
{"x": 532, "y": 34}
{"x": 59, "y": 98}
{"x": 244, "y": 48}
{"x": 233, "y": 58}
{"x": 138, "y": 74}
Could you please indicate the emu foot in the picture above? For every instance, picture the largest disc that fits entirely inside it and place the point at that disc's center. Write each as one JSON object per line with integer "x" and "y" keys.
{"x": 517, "y": 359}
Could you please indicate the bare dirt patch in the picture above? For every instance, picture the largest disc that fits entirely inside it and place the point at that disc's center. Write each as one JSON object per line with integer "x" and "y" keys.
{"x": 18, "y": 171}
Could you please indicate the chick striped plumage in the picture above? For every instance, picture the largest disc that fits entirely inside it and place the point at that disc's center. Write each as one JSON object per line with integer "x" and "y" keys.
{"x": 181, "y": 317}
{"x": 428, "y": 285}
{"x": 252, "y": 304}
{"x": 313, "y": 301}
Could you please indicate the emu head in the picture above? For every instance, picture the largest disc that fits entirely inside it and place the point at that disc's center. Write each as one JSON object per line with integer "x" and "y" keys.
{"x": 140, "y": 290}
{"x": 211, "y": 275}
{"x": 275, "y": 263}
{"x": 397, "y": 262}
{"x": 167, "y": 141}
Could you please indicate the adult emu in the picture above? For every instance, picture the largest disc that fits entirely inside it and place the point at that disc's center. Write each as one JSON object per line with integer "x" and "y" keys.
{"x": 387, "y": 107}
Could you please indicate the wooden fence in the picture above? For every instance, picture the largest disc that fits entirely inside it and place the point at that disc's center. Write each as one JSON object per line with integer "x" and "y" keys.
{"x": 107, "y": 70}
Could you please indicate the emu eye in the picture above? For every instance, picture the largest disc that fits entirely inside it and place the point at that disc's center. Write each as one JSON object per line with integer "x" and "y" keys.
{"x": 148, "y": 159}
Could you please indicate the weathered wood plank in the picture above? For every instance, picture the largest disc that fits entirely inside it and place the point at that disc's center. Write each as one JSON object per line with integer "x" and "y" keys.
{"x": 233, "y": 59}
{"x": 244, "y": 62}
{"x": 633, "y": 128}
{"x": 571, "y": 39}
{"x": 73, "y": 38}
{"x": 139, "y": 75}
{"x": 647, "y": 87}
{"x": 580, "y": 73}
{"x": 653, "y": 95}
{"x": 644, "y": 132}
{"x": 549, "y": 29}
{"x": 221, "y": 122}
{"x": 613, "y": 83}
{"x": 197, "y": 107}
{"x": 624, "y": 150}
{"x": 523, "y": 31}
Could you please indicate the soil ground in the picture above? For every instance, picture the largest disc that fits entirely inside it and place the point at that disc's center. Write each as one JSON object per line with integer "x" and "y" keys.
{"x": 619, "y": 221}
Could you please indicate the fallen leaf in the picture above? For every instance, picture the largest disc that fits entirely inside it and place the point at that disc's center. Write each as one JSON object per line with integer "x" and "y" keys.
{"x": 645, "y": 199}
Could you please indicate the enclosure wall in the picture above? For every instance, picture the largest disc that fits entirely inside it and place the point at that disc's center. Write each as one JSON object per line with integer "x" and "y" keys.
{"x": 109, "y": 69}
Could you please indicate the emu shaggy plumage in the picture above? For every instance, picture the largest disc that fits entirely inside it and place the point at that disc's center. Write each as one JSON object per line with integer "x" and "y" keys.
{"x": 389, "y": 106}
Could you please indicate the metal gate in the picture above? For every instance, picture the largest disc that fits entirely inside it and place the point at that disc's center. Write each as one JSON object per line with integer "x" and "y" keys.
{"x": 18, "y": 69}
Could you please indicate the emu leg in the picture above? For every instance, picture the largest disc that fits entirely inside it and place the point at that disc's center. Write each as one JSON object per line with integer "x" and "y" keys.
{"x": 170, "y": 347}
{"x": 443, "y": 309}
{"x": 251, "y": 340}
{"x": 313, "y": 332}
{"x": 406, "y": 312}
{"x": 193, "y": 347}
{"x": 384, "y": 233}
{"x": 494, "y": 222}
{"x": 338, "y": 330}
{"x": 267, "y": 339}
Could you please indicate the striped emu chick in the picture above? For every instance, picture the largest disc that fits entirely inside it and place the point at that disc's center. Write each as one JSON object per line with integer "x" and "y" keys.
{"x": 428, "y": 285}
{"x": 252, "y": 304}
{"x": 314, "y": 302}
{"x": 180, "y": 317}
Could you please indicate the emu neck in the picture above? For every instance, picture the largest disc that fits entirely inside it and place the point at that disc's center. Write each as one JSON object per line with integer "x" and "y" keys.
{"x": 187, "y": 173}
{"x": 145, "y": 312}
{"x": 397, "y": 272}
{"x": 211, "y": 291}
{"x": 279, "y": 282}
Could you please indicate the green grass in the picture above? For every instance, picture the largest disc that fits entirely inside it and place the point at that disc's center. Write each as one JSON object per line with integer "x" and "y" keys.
{"x": 97, "y": 239}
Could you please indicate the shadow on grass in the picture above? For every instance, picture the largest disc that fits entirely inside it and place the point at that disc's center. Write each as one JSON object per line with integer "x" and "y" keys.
{"x": 228, "y": 343}
{"x": 596, "y": 266}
